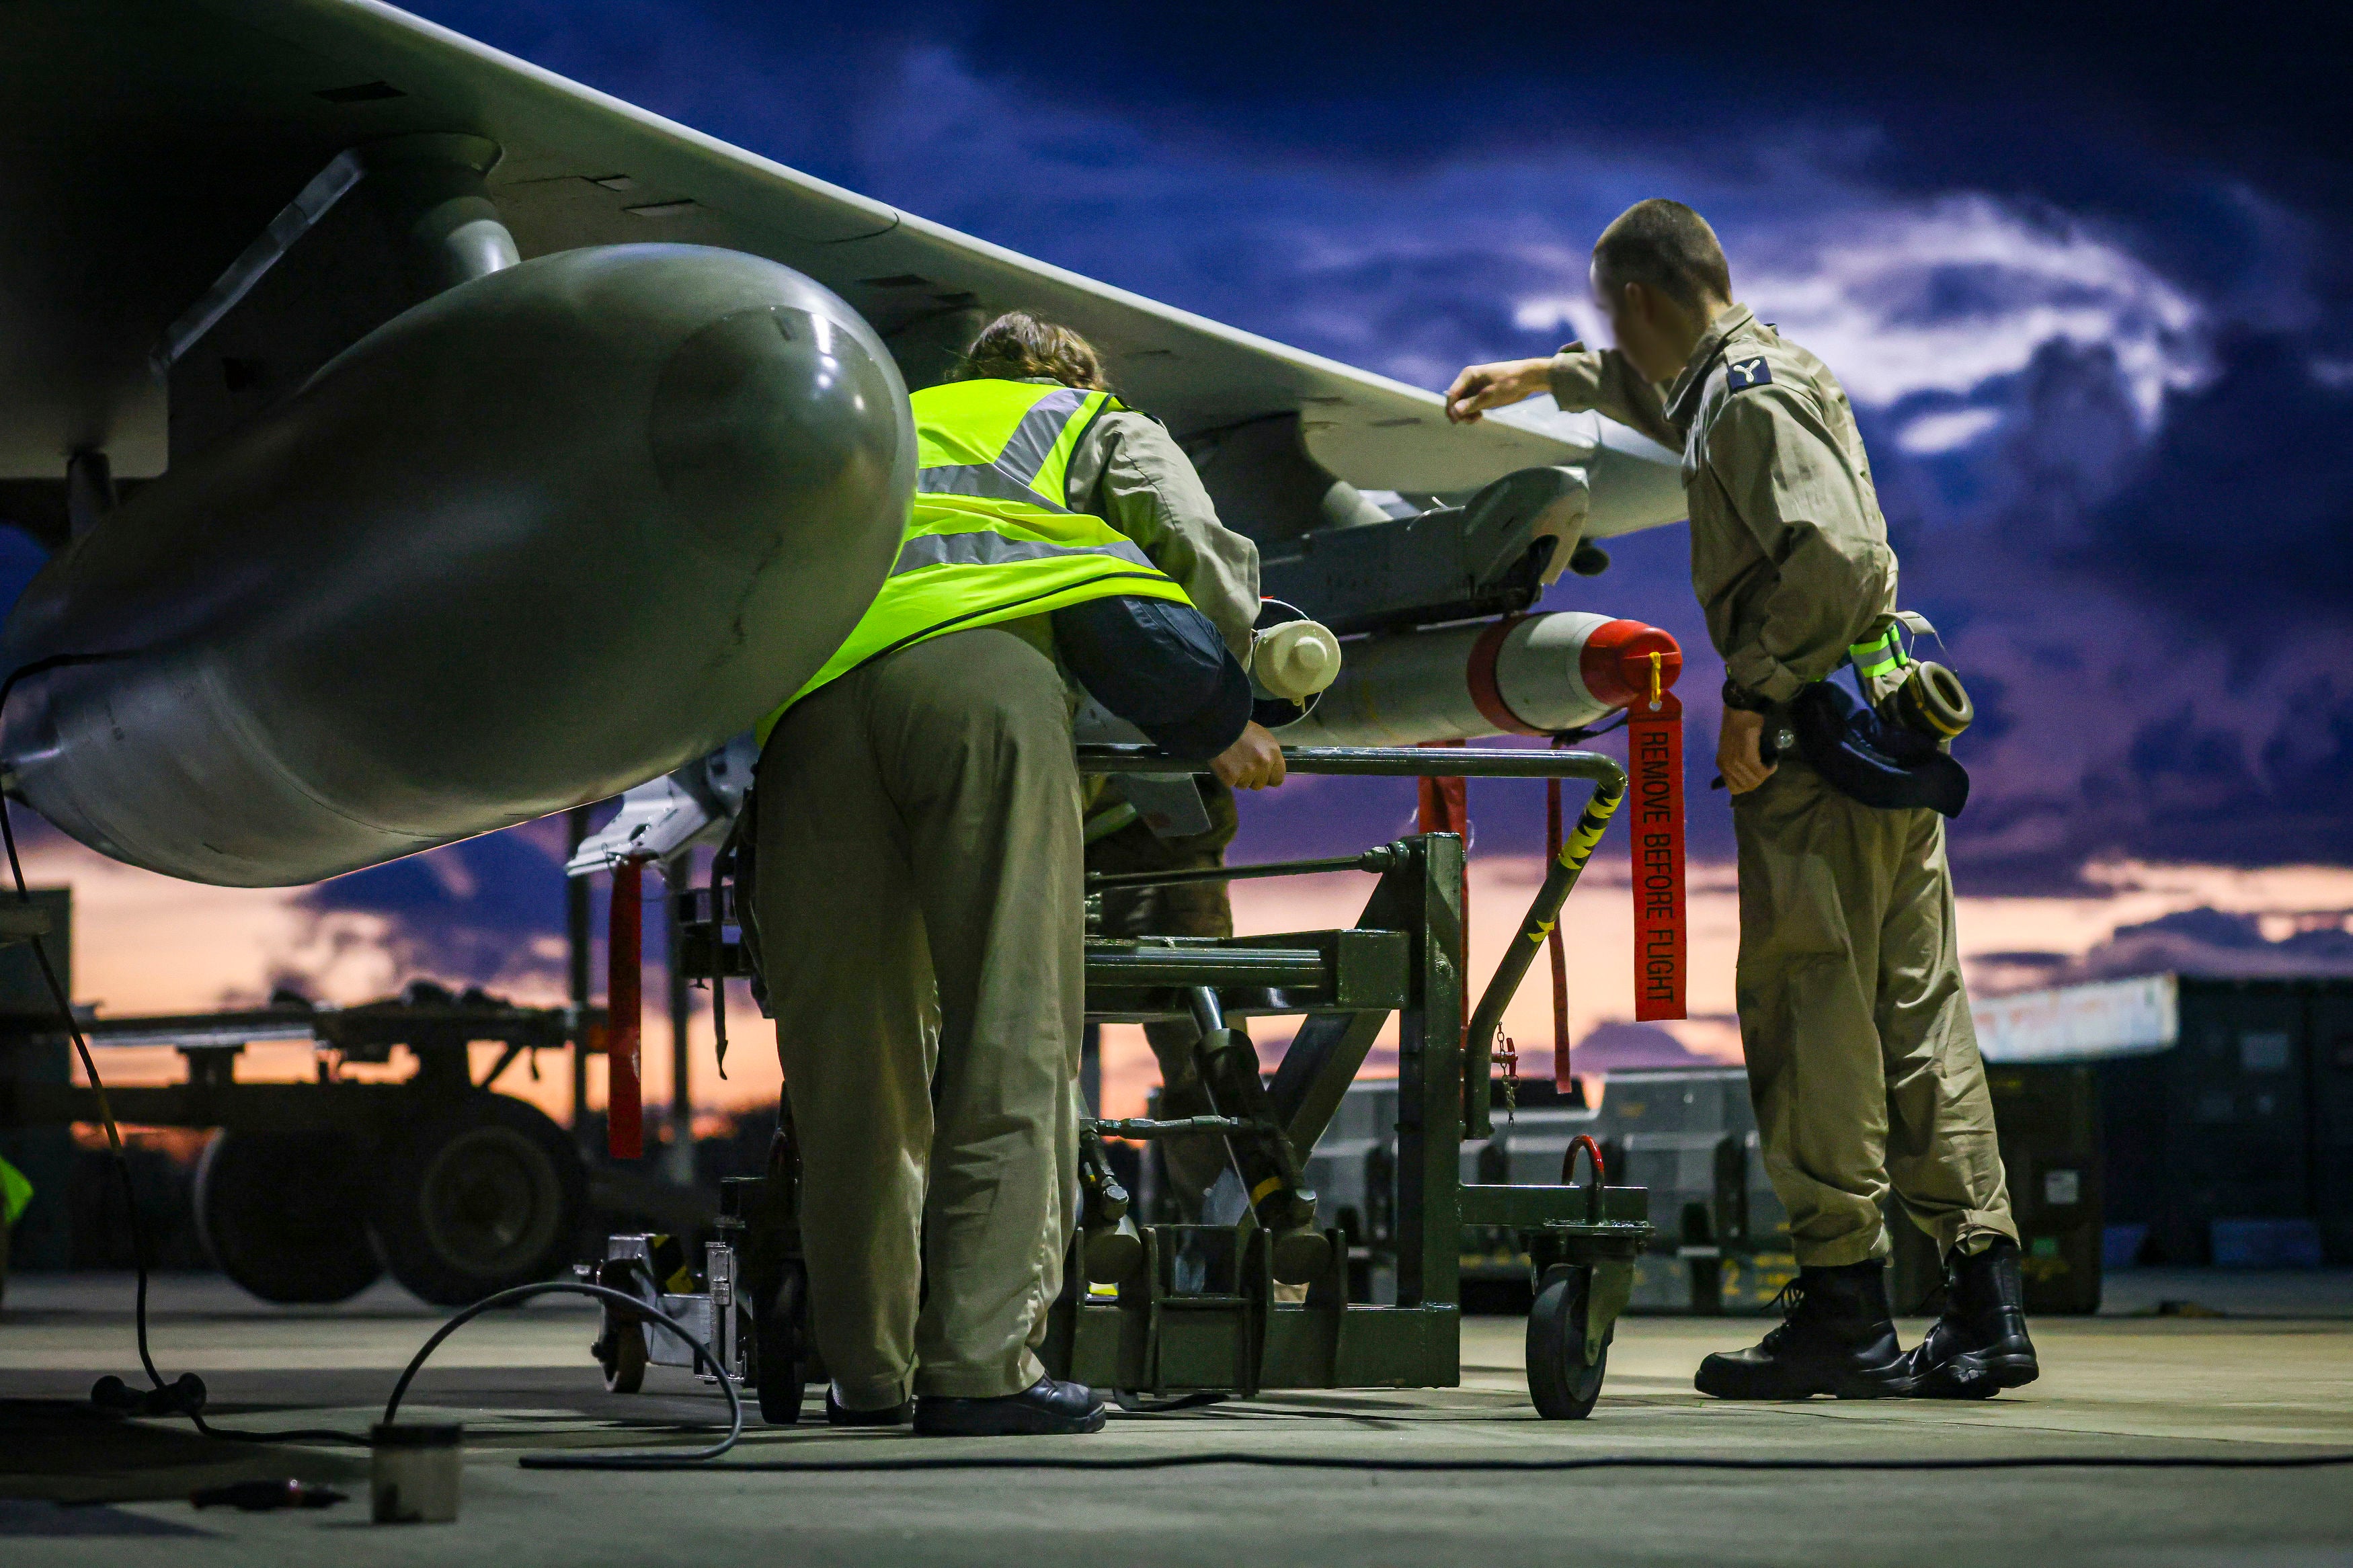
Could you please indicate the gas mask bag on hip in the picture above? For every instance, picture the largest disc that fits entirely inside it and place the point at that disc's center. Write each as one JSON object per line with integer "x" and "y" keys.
{"x": 1891, "y": 756}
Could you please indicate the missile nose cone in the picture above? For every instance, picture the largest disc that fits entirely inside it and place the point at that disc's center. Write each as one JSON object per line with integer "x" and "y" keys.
{"x": 1616, "y": 662}
{"x": 1296, "y": 659}
{"x": 771, "y": 414}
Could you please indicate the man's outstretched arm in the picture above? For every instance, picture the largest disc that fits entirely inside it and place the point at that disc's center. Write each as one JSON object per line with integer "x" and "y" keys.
{"x": 1578, "y": 377}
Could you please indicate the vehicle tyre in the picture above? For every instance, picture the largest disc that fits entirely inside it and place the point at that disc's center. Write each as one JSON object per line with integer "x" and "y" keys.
{"x": 284, "y": 1214}
{"x": 1563, "y": 1384}
{"x": 779, "y": 1359}
{"x": 482, "y": 1196}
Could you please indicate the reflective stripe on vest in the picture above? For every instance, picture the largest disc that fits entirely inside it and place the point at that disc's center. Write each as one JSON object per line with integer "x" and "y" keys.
{"x": 991, "y": 537}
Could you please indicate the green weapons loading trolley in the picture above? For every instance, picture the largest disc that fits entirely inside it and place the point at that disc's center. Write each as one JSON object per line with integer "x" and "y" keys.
{"x": 1223, "y": 1327}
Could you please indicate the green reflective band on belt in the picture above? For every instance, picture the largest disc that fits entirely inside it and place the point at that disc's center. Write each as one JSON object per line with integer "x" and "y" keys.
{"x": 1883, "y": 654}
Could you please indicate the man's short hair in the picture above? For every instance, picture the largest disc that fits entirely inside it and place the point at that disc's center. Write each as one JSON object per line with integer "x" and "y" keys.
{"x": 1019, "y": 346}
{"x": 1665, "y": 245}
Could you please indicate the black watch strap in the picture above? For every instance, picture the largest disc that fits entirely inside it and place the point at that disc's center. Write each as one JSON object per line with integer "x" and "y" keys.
{"x": 1738, "y": 696}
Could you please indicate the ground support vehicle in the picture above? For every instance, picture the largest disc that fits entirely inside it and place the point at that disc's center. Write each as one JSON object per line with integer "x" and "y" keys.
{"x": 312, "y": 1191}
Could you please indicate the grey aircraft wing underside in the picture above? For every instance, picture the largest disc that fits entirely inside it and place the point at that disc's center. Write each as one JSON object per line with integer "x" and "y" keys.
{"x": 146, "y": 145}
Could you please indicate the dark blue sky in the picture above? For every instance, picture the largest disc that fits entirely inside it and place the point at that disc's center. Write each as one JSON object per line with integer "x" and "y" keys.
{"x": 2084, "y": 271}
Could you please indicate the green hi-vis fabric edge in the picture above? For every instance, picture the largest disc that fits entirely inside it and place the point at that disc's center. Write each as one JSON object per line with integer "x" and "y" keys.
{"x": 1883, "y": 654}
{"x": 990, "y": 539}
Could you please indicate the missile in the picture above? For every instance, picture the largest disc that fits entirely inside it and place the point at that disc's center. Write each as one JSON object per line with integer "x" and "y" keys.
{"x": 556, "y": 530}
{"x": 1528, "y": 675}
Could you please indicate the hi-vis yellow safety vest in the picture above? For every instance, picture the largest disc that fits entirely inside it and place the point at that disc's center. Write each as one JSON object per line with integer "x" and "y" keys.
{"x": 990, "y": 539}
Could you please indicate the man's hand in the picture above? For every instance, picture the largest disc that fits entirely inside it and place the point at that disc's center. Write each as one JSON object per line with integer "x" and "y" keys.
{"x": 1255, "y": 761}
{"x": 1486, "y": 386}
{"x": 1738, "y": 755}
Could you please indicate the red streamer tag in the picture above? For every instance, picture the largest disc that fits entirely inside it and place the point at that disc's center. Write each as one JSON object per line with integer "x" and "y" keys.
{"x": 1655, "y": 749}
{"x": 625, "y": 1131}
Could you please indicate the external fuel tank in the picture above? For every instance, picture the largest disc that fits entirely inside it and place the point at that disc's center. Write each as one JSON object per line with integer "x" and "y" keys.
{"x": 557, "y": 531}
{"x": 1530, "y": 675}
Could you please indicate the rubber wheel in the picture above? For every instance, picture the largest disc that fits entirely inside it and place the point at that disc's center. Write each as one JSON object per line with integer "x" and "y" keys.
{"x": 1561, "y": 1382}
{"x": 284, "y": 1214}
{"x": 780, "y": 1363}
{"x": 625, "y": 1372}
{"x": 484, "y": 1196}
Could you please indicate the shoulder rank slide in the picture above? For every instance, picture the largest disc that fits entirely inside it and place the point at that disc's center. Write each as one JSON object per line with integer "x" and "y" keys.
{"x": 1740, "y": 375}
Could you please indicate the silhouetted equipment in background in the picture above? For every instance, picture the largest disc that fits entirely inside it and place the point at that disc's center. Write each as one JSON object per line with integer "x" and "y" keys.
{"x": 309, "y": 1192}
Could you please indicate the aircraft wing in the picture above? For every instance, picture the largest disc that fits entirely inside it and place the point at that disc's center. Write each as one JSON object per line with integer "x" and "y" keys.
{"x": 153, "y": 141}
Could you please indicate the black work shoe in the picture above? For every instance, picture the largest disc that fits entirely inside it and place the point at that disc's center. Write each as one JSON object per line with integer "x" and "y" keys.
{"x": 1979, "y": 1346}
{"x": 1045, "y": 1408}
{"x": 1836, "y": 1337}
{"x": 840, "y": 1414}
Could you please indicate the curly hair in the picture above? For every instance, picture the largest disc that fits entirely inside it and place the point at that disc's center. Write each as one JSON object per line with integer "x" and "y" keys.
{"x": 1018, "y": 345}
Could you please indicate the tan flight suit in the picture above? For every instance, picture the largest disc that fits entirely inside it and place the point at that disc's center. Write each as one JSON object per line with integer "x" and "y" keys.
{"x": 1182, "y": 909}
{"x": 1129, "y": 471}
{"x": 1863, "y": 1062}
{"x": 919, "y": 910}
{"x": 921, "y": 925}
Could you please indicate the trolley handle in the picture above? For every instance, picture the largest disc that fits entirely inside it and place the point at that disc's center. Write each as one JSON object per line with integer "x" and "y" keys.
{"x": 1569, "y": 1173}
{"x": 1379, "y": 762}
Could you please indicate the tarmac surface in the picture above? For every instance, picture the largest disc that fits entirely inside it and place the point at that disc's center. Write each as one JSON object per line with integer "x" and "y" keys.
{"x": 2271, "y": 1377}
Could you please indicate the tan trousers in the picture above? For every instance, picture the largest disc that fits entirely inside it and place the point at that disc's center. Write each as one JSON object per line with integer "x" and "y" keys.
{"x": 1193, "y": 1161}
{"x": 921, "y": 920}
{"x": 1863, "y": 1062}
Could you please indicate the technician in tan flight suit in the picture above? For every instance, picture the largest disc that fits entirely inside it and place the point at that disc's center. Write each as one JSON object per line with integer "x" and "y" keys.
{"x": 1192, "y": 1161}
{"x": 918, "y": 898}
{"x": 1862, "y": 1058}
{"x": 1129, "y": 470}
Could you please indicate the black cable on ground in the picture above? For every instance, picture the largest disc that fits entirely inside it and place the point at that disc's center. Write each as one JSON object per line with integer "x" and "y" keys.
{"x": 1534, "y": 1467}
{"x": 690, "y": 1459}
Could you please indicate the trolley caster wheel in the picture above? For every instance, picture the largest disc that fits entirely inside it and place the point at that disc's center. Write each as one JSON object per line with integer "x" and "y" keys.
{"x": 620, "y": 1347}
{"x": 780, "y": 1359}
{"x": 1563, "y": 1384}
{"x": 622, "y": 1354}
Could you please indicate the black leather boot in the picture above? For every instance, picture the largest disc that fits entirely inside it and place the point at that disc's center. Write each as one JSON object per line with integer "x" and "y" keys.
{"x": 1979, "y": 1346}
{"x": 1045, "y": 1408}
{"x": 1837, "y": 1337}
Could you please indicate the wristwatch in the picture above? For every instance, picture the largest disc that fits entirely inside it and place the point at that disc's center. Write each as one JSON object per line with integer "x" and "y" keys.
{"x": 1738, "y": 696}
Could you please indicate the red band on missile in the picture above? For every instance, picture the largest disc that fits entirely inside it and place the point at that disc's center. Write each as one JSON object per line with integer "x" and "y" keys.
{"x": 624, "y": 1094}
{"x": 1654, "y": 754}
{"x": 1615, "y": 663}
{"x": 1480, "y": 675}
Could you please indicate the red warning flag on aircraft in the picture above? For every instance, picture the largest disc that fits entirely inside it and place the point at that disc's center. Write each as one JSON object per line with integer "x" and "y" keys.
{"x": 1654, "y": 751}
{"x": 624, "y": 976}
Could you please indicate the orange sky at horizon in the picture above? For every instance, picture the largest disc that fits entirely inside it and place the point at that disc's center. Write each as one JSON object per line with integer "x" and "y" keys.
{"x": 147, "y": 943}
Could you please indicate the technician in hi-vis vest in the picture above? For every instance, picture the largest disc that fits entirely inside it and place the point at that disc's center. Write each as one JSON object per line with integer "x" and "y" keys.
{"x": 919, "y": 900}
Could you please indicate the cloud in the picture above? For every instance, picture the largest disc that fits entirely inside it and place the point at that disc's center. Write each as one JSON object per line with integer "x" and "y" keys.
{"x": 1949, "y": 431}
{"x": 486, "y": 911}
